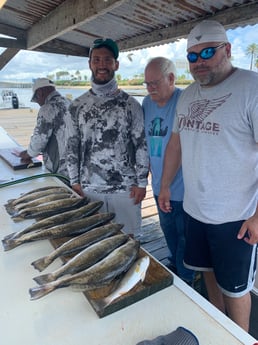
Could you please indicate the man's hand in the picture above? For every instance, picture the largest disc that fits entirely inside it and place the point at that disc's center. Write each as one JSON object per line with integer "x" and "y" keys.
{"x": 249, "y": 230}
{"x": 24, "y": 156}
{"x": 78, "y": 189}
{"x": 137, "y": 193}
{"x": 164, "y": 200}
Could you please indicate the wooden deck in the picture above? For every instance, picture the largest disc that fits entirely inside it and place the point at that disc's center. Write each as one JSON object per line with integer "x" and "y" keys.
{"x": 20, "y": 123}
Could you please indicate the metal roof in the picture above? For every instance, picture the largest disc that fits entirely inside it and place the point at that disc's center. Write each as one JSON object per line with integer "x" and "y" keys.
{"x": 69, "y": 26}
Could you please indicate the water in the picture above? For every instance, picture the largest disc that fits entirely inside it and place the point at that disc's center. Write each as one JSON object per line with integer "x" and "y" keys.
{"x": 25, "y": 94}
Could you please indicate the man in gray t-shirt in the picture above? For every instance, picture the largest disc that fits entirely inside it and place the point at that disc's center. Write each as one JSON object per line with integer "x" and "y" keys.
{"x": 216, "y": 136}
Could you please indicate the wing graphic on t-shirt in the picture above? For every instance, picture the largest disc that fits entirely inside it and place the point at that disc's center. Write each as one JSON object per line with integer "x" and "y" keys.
{"x": 200, "y": 109}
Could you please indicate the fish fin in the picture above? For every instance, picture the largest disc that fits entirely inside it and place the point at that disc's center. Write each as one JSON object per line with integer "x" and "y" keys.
{"x": 40, "y": 291}
{"x": 17, "y": 218}
{"x": 9, "y": 244}
{"x": 40, "y": 264}
{"x": 102, "y": 304}
{"x": 44, "y": 278}
{"x": 13, "y": 234}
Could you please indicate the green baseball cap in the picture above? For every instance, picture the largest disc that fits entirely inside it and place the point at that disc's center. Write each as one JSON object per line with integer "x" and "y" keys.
{"x": 108, "y": 43}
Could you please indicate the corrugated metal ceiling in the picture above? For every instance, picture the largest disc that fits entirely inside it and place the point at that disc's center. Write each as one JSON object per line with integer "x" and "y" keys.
{"x": 70, "y": 26}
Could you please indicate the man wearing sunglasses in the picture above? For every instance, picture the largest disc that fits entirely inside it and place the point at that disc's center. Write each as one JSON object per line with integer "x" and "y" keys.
{"x": 215, "y": 135}
{"x": 107, "y": 151}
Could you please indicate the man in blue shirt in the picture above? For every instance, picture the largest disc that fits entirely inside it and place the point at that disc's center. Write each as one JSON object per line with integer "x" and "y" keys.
{"x": 159, "y": 111}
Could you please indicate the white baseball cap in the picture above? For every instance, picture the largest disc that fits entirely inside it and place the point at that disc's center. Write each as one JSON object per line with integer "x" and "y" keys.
{"x": 206, "y": 31}
{"x": 39, "y": 83}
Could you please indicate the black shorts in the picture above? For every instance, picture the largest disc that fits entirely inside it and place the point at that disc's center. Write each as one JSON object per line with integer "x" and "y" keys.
{"x": 216, "y": 248}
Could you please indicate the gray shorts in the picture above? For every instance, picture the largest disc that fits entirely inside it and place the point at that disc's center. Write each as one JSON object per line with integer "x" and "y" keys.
{"x": 216, "y": 248}
{"x": 123, "y": 206}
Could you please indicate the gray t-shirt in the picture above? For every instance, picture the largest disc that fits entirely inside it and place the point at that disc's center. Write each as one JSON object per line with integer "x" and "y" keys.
{"x": 218, "y": 129}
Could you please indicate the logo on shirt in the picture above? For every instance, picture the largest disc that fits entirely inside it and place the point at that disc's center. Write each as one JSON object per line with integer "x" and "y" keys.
{"x": 198, "y": 111}
{"x": 156, "y": 129}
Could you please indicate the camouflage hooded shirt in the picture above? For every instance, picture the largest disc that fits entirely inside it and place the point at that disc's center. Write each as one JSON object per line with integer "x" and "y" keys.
{"x": 106, "y": 145}
{"x": 48, "y": 136}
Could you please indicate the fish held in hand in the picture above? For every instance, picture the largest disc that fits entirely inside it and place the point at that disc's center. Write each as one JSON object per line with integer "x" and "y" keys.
{"x": 62, "y": 230}
{"x": 132, "y": 277}
{"x": 98, "y": 275}
{"x": 84, "y": 259}
{"x": 77, "y": 243}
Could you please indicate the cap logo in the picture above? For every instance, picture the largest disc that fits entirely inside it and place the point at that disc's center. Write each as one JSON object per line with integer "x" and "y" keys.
{"x": 198, "y": 38}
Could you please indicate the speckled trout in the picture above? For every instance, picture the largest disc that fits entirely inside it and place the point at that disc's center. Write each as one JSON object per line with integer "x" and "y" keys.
{"x": 78, "y": 243}
{"x": 38, "y": 193}
{"x": 50, "y": 208}
{"x": 98, "y": 275}
{"x": 39, "y": 201}
{"x": 62, "y": 218}
{"x": 75, "y": 227}
{"x": 85, "y": 258}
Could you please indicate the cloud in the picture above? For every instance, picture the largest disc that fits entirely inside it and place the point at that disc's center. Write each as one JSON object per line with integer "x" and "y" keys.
{"x": 26, "y": 65}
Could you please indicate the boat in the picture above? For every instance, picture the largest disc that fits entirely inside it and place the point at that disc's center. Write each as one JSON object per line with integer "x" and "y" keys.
{"x": 10, "y": 98}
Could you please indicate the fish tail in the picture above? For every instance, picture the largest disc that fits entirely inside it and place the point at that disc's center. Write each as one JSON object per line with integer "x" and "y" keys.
{"x": 9, "y": 243}
{"x": 106, "y": 301}
{"x": 10, "y": 209}
{"x": 40, "y": 264}
{"x": 12, "y": 235}
{"x": 44, "y": 278}
{"x": 40, "y": 291}
{"x": 102, "y": 304}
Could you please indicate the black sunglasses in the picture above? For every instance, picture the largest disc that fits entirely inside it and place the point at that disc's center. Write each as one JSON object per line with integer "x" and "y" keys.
{"x": 206, "y": 53}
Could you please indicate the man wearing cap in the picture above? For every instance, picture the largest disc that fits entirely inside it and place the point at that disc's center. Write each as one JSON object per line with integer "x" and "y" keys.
{"x": 106, "y": 147}
{"x": 48, "y": 137}
{"x": 215, "y": 135}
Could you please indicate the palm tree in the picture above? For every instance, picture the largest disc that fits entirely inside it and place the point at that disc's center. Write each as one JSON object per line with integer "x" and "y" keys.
{"x": 252, "y": 50}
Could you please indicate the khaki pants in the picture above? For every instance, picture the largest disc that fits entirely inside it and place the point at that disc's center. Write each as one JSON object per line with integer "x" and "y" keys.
{"x": 122, "y": 205}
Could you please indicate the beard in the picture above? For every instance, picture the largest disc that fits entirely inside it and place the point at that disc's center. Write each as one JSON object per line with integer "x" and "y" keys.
{"x": 209, "y": 76}
{"x": 100, "y": 79}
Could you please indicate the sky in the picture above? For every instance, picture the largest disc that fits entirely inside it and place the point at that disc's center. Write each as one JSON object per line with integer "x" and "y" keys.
{"x": 27, "y": 65}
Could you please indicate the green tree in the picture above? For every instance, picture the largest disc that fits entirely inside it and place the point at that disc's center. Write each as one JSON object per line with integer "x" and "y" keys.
{"x": 252, "y": 50}
{"x": 78, "y": 75}
{"x": 51, "y": 76}
{"x": 61, "y": 74}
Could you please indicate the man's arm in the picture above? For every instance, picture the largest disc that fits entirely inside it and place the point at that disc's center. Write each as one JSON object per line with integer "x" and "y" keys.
{"x": 172, "y": 162}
